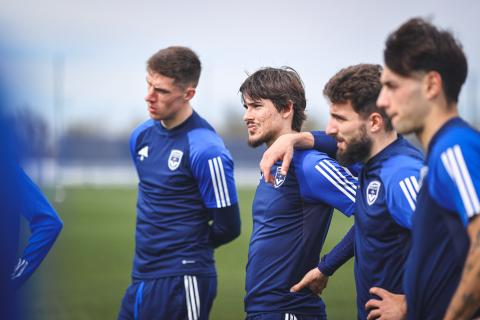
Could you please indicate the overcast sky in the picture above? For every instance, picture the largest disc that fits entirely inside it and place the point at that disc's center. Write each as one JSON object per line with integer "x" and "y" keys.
{"x": 104, "y": 46}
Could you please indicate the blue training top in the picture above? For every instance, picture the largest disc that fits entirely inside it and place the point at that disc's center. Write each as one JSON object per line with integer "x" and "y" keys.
{"x": 185, "y": 174}
{"x": 385, "y": 204}
{"x": 380, "y": 237}
{"x": 448, "y": 198}
{"x": 290, "y": 222}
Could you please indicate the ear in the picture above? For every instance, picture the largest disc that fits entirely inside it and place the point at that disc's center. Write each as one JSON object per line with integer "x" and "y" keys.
{"x": 288, "y": 110}
{"x": 376, "y": 122}
{"x": 189, "y": 93}
{"x": 433, "y": 84}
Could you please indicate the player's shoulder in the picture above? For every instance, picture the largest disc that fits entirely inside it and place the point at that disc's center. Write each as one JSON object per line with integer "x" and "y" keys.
{"x": 403, "y": 165}
{"x": 203, "y": 140}
{"x": 309, "y": 157}
{"x": 311, "y": 161}
{"x": 137, "y": 132}
{"x": 142, "y": 127}
{"x": 455, "y": 140}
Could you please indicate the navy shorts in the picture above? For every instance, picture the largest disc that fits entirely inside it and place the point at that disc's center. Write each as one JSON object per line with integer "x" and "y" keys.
{"x": 283, "y": 316}
{"x": 174, "y": 298}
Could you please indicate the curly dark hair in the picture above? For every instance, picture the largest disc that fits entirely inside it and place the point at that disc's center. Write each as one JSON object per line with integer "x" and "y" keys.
{"x": 360, "y": 85}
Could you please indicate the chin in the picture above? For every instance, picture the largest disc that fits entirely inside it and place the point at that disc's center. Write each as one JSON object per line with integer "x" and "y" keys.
{"x": 404, "y": 128}
{"x": 252, "y": 142}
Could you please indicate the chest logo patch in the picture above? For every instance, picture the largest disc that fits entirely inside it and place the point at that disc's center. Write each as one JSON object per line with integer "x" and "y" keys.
{"x": 372, "y": 191}
{"x": 279, "y": 178}
{"x": 143, "y": 153}
{"x": 174, "y": 159}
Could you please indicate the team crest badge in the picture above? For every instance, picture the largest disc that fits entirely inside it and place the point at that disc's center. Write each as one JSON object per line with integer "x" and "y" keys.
{"x": 174, "y": 159}
{"x": 372, "y": 191}
{"x": 279, "y": 178}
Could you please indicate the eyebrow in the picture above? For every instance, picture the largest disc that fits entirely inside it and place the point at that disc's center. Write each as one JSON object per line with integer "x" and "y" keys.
{"x": 337, "y": 116}
{"x": 253, "y": 103}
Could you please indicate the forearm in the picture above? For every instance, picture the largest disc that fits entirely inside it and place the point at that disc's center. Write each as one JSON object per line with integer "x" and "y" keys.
{"x": 44, "y": 224}
{"x": 340, "y": 254}
{"x": 302, "y": 140}
{"x": 324, "y": 143}
{"x": 44, "y": 231}
{"x": 226, "y": 225}
{"x": 466, "y": 299}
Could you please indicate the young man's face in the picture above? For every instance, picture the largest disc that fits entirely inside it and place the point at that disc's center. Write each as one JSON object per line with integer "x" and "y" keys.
{"x": 264, "y": 122}
{"x": 404, "y": 101}
{"x": 350, "y": 131}
{"x": 164, "y": 98}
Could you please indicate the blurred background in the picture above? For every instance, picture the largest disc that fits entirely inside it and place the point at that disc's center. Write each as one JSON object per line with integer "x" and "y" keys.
{"x": 75, "y": 73}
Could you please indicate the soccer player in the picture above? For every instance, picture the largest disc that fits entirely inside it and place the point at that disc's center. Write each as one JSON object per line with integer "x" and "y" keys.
{"x": 386, "y": 197}
{"x": 425, "y": 70}
{"x": 291, "y": 217}
{"x": 187, "y": 203}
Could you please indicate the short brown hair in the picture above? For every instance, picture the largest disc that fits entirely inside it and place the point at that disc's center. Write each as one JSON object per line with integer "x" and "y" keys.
{"x": 417, "y": 45}
{"x": 281, "y": 86}
{"x": 360, "y": 85}
{"x": 179, "y": 63}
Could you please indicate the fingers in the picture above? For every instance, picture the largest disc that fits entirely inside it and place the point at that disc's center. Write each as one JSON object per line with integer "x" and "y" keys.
{"x": 299, "y": 286}
{"x": 287, "y": 158}
{"x": 374, "y": 314}
{"x": 373, "y": 304}
{"x": 281, "y": 149}
{"x": 382, "y": 293}
{"x": 265, "y": 166}
{"x": 306, "y": 280}
{"x": 316, "y": 288}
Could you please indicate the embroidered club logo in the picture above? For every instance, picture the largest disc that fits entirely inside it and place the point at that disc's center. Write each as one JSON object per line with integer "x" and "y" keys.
{"x": 174, "y": 159}
{"x": 143, "y": 153}
{"x": 279, "y": 178}
{"x": 372, "y": 191}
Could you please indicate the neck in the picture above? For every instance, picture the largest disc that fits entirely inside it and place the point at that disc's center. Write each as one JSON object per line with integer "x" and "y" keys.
{"x": 179, "y": 117}
{"x": 284, "y": 130}
{"x": 437, "y": 118}
{"x": 382, "y": 141}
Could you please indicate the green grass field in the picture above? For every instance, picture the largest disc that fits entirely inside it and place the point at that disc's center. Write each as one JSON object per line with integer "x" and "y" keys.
{"x": 86, "y": 274}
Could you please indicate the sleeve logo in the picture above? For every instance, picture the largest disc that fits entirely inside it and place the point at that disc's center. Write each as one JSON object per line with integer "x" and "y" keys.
{"x": 143, "y": 153}
{"x": 174, "y": 159}
{"x": 372, "y": 191}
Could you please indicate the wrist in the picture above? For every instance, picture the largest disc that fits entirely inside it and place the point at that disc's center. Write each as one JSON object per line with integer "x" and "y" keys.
{"x": 303, "y": 140}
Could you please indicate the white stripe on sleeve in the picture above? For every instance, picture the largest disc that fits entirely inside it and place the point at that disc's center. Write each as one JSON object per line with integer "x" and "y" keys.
{"x": 214, "y": 182}
{"x": 219, "y": 182}
{"x": 224, "y": 181}
{"x": 341, "y": 176}
{"x": 410, "y": 188}
{"x": 457, "y": 177}
{"x": 407, "y": 194}
{"x": 468, "y": 180}
{"x": 415, "y": 184}
{"x": 343, "y": 190}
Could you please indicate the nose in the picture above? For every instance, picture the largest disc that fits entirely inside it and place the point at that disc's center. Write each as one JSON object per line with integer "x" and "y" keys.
{"x": 382, "y": 100}
{"x": 331, "y": 129}
{"x": 150, "y": 97}
{"x": 248, "y": 114}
